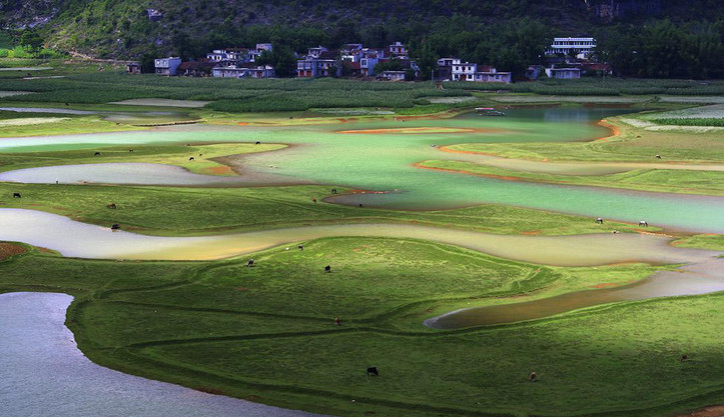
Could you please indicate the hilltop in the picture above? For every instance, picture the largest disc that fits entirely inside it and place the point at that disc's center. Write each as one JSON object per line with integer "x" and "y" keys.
{"x": 128, "y": 29}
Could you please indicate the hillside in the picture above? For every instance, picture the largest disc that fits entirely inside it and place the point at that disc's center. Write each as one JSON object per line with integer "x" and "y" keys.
{"x": 123, "y": 28}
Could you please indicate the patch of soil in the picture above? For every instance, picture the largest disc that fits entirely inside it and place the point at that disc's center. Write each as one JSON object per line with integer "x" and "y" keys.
{"x": 604, "y": 285}
{"x": 219, "y": 170}
{"x": 714, "y": 411}
{"x": 10, "y": 249}
{"x": 214, "y": 391}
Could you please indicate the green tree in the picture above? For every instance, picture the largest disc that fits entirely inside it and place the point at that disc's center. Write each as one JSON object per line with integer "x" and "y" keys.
{"x": 31, "y": 41}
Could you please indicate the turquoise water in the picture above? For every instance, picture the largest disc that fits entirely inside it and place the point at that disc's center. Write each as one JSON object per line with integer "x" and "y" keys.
{"x": 384, "y": 162}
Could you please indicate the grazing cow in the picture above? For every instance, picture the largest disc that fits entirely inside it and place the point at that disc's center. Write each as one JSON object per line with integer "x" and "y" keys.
{"x": 533, "y": 377}
{"x": 115, "y": 226}
{"x": 250, "y": 263}
{"x": 191, "y": 159}
{"x": 334, "y": 191}
{"x": 599, "y": 220}
{"x": 360, "y": 205}
{"x": 327, "y": 268}
{"x": 300, "y": 247}
{"x": 257, "y": 143}
{"x": 67, "y": 104}
{"x": 684, "y": 358}
{"x": 337, "y": 321}
{"x": 615, "y": 232}
{"x": 97, "y": 154}
{"x": 130, "y": 150}
{"x": 17, "y": 195}
{"x": 112, "y": 206}
{"x": 372, "y": 370}
{"x": 201, "y": 154}
{"x": 658, "y": 156}
{"x": 643, "y": 223}
{"x": 314, "y": 200}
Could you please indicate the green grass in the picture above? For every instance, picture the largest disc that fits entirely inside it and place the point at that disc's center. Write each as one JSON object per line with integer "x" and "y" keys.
{"x": 219, "y": 210}
{"x": 690, "y": 121}
{"x": 711, "y": 242}
{"x": 653, "y": 180}
{"x": 267, "y": 331}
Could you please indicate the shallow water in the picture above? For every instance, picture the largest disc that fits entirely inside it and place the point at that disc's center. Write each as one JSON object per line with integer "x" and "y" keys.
{"x": 385, "y": 162}
{"x": 701, "y": 278}
{"x": 120, "y": 173}
{"x": 83, "y": 240}
{"x": 576, "y": 168}
{"x": 44, "y": 373}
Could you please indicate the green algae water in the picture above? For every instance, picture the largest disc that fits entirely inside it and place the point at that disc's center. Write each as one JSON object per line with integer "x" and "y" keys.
{"x": 380, "y": 156}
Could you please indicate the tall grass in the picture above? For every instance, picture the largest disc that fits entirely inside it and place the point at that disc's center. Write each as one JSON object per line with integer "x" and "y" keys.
{"x": 709, "y": 121}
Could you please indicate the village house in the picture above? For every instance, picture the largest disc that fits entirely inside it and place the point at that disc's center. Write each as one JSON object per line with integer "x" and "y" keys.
{"x": 239, "y": 55}
{"x": 228, "y": 55}
{"x": 196, "y": 68}
{"x": 167, "y": 66}
{"x": 468, "y": 71}
{"x": 133, "y": 68}
{"x": 579, "y": 47}
{"x": 397, "y": 49}
{"x": 319, "y": 62}
{"x": 563, "y": 73}
{"x": 246, "y": 70}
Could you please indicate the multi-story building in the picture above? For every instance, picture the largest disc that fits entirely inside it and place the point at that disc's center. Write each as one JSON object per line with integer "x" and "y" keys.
{"x": 167, "y": 66}
{"x": 580, "y": 47}
{"x": 463, "y": 71}
{"x": 247, "y": 70}
{"x": 468, "y": 71}
{"x": 319, "y": 62}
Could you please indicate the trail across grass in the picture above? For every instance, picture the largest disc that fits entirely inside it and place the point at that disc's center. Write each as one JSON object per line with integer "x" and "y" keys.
{"x": 267, "y": 331}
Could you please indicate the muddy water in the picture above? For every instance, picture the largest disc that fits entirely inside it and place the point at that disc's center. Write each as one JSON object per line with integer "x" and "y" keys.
{"x": 701, "y": 278}
{"x": 44, "y": 374}
{"x": 135, "y": 174}
{"x": 385, "y": 162}
{"x": 83, "y": 240}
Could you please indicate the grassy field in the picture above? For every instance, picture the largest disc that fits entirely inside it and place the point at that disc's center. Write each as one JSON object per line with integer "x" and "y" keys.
{"x": 266, "y": 334}
{"x": 659, "y": 180}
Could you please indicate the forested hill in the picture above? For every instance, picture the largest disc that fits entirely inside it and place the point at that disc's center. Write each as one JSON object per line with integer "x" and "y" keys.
{"x": 503, "y": 32}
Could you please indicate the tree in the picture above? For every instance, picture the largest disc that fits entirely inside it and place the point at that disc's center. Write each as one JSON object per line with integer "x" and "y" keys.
{"x": 281, "y": 58}
{"x": 31, "y": 41}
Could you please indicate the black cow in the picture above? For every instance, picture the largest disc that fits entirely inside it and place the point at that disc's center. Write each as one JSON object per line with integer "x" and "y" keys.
{"x": 191, "y": 159}
{"x": 301, "y": 247}
{"x": 130, "y": 150}
{"x": 115, "y": 226}
{"x": 250, "y": 263}
{"x": 327, "y": 268}
{"x": 17, "y": 195}
{"x": 97, "y": 154}
{"x": 372, "y": 370}
{"x": 257, "y": 143}
{"x": 334, "y": 191}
